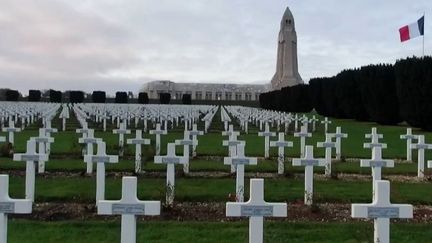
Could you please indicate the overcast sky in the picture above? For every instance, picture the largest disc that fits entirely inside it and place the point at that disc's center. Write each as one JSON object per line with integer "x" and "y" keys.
{"x": 119, "y": 44}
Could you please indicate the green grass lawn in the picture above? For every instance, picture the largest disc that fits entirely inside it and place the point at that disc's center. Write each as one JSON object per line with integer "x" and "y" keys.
{"x": 82, "y": 189}
{"x": 216, "y": 164}
{"x": 211, "y": 144}
{"x": 170, "y": 231}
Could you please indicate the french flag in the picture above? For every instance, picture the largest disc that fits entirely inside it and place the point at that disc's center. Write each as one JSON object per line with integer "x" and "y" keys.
{"x": 413, "y": 30}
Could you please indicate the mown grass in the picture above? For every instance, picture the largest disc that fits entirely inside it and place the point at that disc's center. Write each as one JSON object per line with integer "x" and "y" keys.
{"x": 82, "y": 189}
{"x": 170, "y": 231}
{"x": 66, "y": 143}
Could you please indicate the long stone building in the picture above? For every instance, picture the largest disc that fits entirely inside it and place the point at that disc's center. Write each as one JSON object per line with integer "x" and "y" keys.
{"x": 205, "y": 91}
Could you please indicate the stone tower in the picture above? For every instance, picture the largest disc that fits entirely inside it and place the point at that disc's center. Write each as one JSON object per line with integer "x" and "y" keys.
{"x": 287, "y": 66}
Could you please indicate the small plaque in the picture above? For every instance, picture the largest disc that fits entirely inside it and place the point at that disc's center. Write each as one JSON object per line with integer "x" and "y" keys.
{"x": 30, "y": 157}
{"x": 249, "y": 211}
{"x": 378, "y": 164}
{"x": 7, "y": 207}
{"x": 240, "y": 161}
{"x": 100, "y": 159}
{"x": 42, "y": 140}
{"x": 11, "y": 129}
{"x": 383, "y": 212}
{"x": 267, "y": 134}
{"x": 171, "y": 160}
{"x": 328, "y": 145}
{"x": 136, "y": 209}
{"x": 90, "y": 140}
{"x": 309, "y": 162}
{"x": 194, "y": 133}
{"x": 183, "y": 142}
{"x": 138, "y": 141}
{"x": 233, "y": 143}
{"x": 281, "y": 144}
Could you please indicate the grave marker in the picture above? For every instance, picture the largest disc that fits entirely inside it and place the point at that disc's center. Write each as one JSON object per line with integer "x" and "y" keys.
{"x": 170, "y": 159}
{"x": 281, "y": 144}
{"x": 158, "y": 132}
{"x": 138, "y": 141}
{"x": 186, "y": 142}
{"x": 339, "y": 135}
{"x": 266, "y": 134}
{"x": 303, "y": 134}
{"x": 89, "y": 140}
{"x": 121, "y": 132}
{"x": 421, "y": 146}
{"x": 409, "y": 137}
{"x": 308, "y": 161}
{"x": 328, "y": 144}
{"x": 239, "y": 161}
{"x": 128, "y": 207}
{"x": 256, "y": 209}
{"x": 381, "y": 211}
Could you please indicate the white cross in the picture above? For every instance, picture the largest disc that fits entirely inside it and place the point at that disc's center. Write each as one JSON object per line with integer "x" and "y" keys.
{"x": 100, "y": 158}
{"x": 231, "y": 142}
{"x": 339, "y": 135}
{"x": 42, "y": 140}
{"x": 308, "y": 161}
{"x": 376, "y": 163}
{"x": 194, "y": 133}
{"x": 186, "y": 142}
{"x": 281, "y": 144}
{"x": 170, "y": 159}
{"x": 104, "y": 119}
{"x": 239, "y": 161}
{"x": 11, "y": 130}
{"x": 89, "y": 140}
{"x": 303, "y": 134}
{"x": 10, "y": 206}
{"x": 421, "y": 146}
{"x": 121, "y": 132}
{"x": 326, "y": 122}
{"x": 256, "y": 209}
{"x": 31, "y": 158}
{"x": 296, "y": 119}
{"x": 266, "y": 134}
{"x": 158, "y": 132}
{"x": 328, "y": 144}
{"x": 408, "y": 137}
{"x": 84, "y": 130}
{"x": 138, "y": 141}
{"x": 429, "y": 164}
{"x": 381, "y": 211}
{"x": 48, "y": 131}
{"x": 375, "y": 137}
{"x": 313, "y": 120}
{"x": 128, "y": 207}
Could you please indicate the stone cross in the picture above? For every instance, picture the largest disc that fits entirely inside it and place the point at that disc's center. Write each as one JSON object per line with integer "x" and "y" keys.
{"x": 281, "y": 144}
{"x": 326, "y": 122}
{"x": 339, "y": 135}
{"x": 239, "y": 161}
{"x": 48, "y": 131}
{"x": 376, "y": 163}
{"x": 128, "y": 207}
{"x": 308, "y": 161}
{"x": 194, "y": 133}
{"x": 170, "y": 159}
{"x": 89, "y": 140}
{"x": 303, "y": 134}
{"x": 256, "y": 209}
{"x": 84, "y": 130}
{"x": 375, "y": 137}
{"x": 296, "y": 119}
{"x": 421, "y": 146}
{"x": 158, "y": 132}
{"x": 231, "y": 142}
{"x": 31, "y": 158}
{"x": 104, "y": 118}
{"x": 430, "y": 164}
{"x": 42, "y": 140}
{"x": 266, "y": 134}
{"x": 186, "y": 142}
{"x": 381, "y": 210}
{"x": 121, "y": 132}
{"x": 138, "y": 141}
{"x": 10, "y": 206}
{"x": 313, "y": 120}
{"x": 328, "y": 144}
{"x": 409, "y": 137}
{"x": 11, "y": 130}
{"x": 100, "y": 159}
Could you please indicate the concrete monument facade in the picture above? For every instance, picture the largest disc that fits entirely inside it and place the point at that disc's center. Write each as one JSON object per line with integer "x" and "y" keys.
{"x": 287, "y": 66}
{"x": 205, "y": 91}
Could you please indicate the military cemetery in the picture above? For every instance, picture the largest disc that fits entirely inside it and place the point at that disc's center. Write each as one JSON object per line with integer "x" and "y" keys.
{"x": 344, "y": 158}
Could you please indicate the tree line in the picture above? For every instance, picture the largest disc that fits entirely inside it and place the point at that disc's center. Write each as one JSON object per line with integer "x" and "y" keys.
{"x": 384, "y": 93}
{"x": 75, "y": 96}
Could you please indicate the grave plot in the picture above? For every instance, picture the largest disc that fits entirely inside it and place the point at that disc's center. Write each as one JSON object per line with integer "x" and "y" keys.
{"x": 67, "y": 195}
